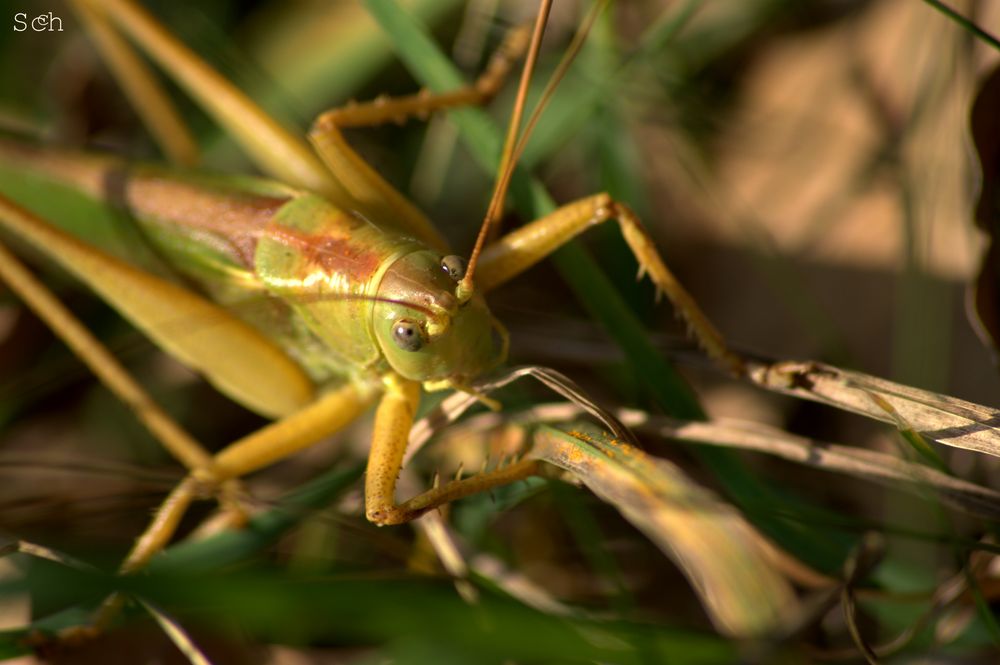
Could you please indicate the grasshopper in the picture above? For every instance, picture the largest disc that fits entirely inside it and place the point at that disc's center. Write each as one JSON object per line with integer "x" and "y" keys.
{"x": 367, "y": 305}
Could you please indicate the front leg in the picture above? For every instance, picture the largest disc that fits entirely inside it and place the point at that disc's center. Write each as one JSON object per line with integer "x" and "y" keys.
{"x": 393, "y": 421}
{"x": 520, "y": 249}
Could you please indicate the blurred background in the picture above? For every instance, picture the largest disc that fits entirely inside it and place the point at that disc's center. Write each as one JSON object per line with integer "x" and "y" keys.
{"x": 805, "y": 167}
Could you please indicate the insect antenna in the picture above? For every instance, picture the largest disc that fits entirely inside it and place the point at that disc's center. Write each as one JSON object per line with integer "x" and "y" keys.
{"x": 550, "y": 88}
{"x": 465, "y": 287}
{"x": 513, "y": 143}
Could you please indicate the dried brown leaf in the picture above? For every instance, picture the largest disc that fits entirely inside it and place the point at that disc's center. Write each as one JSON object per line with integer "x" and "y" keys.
{"x": 717, "y": 550}
{"x": 948, "y": 420}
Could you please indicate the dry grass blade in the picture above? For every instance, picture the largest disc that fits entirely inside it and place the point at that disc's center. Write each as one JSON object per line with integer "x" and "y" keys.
{"x": 520, "y": 586}
{"x": 433, "y": 527}
{"x": 955, "y": 492}
{"x": 947, "y": 420}
{"x": 909, "y": 476}
{"x": 866, "y": 556}
{"x": 177, "y": 635}
{"x": 722, "y": 556}
{"x": 42, "y": 552}
{"x": 450, "y": 548}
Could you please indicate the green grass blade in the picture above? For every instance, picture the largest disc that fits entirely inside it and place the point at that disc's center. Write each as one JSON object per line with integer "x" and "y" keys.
{"x": 231, "y": 545}
{"x": 394, "y": 615}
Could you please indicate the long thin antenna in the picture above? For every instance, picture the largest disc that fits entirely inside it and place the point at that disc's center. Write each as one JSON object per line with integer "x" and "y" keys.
{"x": 465, "y": 287}
{"x": 557, "y": 76}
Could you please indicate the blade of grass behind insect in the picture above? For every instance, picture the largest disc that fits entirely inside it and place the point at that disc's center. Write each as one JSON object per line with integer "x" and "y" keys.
{"x": 581, "y": 91}
{"x": 297, "y": 61}
{"x": 74, "y": 213}
{"x": 966, "y": 24}
{"x": 586, "y": 531}
{"x": 618, "y": 158}
{"x": 601, "y": 299}
{"x": 325, "y": 55}
{"x": 921, "y": 305}
{"x": 230, "y": 546}
{"x": 712, "y": 38}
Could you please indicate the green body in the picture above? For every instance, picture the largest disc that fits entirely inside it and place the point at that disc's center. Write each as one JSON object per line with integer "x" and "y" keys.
{"x": 326, "y": 285}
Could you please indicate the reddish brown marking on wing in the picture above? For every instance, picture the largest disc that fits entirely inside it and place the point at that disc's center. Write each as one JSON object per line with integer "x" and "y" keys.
{"x": 331, "y": 253}
{"x": 234, "y": 220}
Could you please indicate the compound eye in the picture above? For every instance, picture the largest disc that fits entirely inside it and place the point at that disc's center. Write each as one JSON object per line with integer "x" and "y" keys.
{"x": 407, "y": 335}
{"x": 454, "y": 266}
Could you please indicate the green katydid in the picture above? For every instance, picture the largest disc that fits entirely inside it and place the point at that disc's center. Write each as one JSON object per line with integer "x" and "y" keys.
{"x": 371, "y": 307}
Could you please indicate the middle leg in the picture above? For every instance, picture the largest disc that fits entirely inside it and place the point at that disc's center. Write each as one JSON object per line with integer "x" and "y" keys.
{"x": 264, "y": 447}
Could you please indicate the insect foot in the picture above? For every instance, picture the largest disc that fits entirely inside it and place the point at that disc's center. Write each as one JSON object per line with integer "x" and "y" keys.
{"x": 454, "y": 490}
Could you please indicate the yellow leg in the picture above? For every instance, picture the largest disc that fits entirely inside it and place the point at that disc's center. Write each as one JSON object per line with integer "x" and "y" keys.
{"x": 326, "y": 415}
{"x": 457, "y": 489}
{"x": 393, "y": 420}
{"x": 101, "y": 362}
{"x": 110, "y": 372}
{"x": 273, "y": 147}
{"x": 392, "y": 428}
{"x": 265, "y": 446}
{"x": 526, "y": 246}
{"x": 181, "y": 445}
{"x": 364, "y": 184}
{"x": 257, "y": 450}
